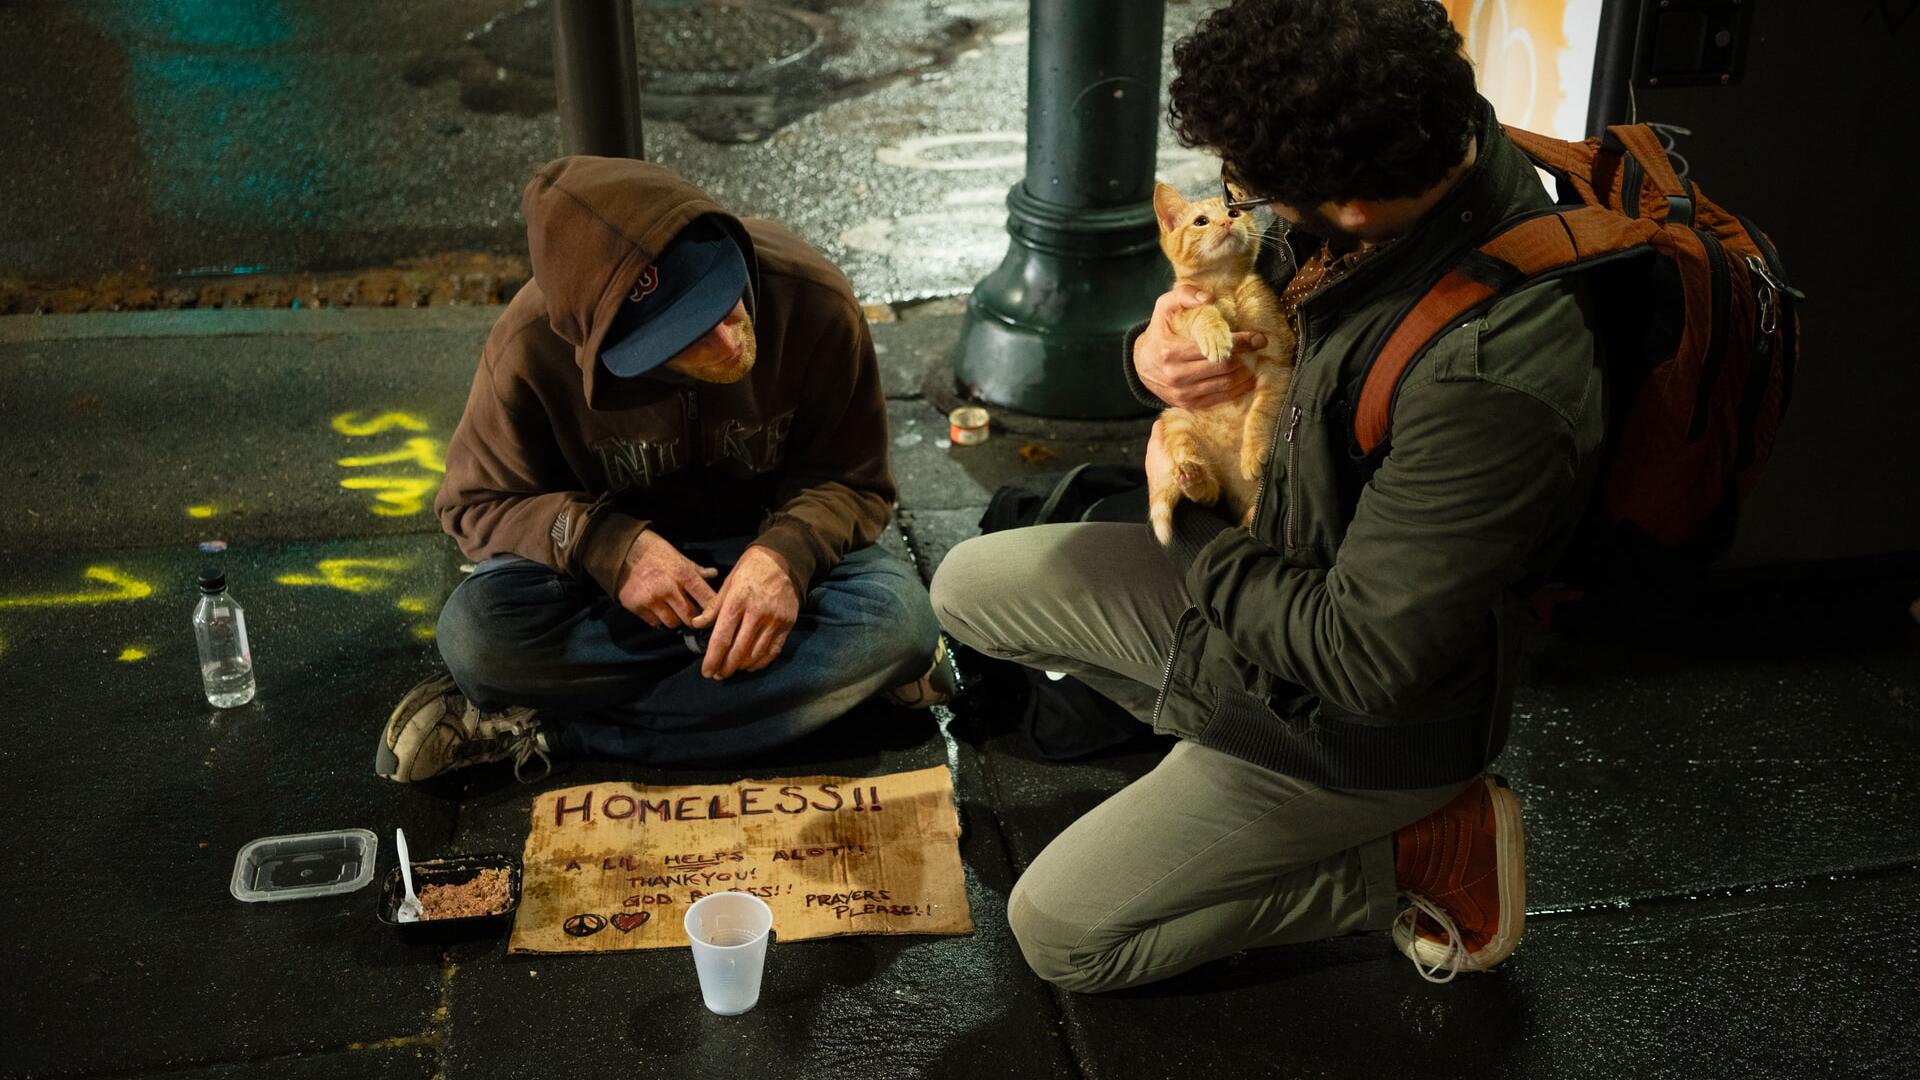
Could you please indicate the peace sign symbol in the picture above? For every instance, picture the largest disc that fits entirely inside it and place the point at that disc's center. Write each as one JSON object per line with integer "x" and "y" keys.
{"x": 583, "y": 925}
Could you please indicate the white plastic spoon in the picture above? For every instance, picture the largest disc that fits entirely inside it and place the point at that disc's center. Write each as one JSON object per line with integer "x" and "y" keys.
{"x": 409, "y": 910}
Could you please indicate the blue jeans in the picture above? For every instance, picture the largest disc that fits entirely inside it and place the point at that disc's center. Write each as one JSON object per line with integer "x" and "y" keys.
{"x": 517, "y": 632}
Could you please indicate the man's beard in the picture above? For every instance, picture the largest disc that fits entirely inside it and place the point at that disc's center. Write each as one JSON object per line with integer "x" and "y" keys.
{"x": 705, "y": 366}
{"x": 1316, "y": 223}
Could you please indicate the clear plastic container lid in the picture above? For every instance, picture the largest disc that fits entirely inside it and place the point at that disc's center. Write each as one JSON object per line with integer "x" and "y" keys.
{"x": 302, "y": 866}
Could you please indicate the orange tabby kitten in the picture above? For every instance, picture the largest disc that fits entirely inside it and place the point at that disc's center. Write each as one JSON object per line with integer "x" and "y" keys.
{"x": 1219, "y": 452}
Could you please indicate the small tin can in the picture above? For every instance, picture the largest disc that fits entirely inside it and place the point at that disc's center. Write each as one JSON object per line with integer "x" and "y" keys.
{"x": 967, "y": 425}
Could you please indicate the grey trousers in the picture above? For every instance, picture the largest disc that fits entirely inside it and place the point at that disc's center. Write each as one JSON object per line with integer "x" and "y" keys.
{"x": 1205, "y": 855}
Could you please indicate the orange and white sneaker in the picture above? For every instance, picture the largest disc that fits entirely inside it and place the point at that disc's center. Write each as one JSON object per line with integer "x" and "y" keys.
{"x": 1462, "y": 871}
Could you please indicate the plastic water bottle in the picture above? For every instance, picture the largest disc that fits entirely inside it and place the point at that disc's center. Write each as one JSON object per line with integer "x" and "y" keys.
{"x": 220, "y": 630}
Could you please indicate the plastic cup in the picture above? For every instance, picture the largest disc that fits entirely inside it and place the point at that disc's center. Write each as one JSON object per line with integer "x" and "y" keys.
{"x": 729, "y": 935}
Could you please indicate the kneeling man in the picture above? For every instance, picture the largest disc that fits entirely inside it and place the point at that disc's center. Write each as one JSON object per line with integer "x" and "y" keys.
{"x": 670, "y": 474}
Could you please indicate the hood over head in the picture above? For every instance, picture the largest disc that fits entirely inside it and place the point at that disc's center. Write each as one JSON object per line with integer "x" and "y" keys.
{"x": 594, "y": 225}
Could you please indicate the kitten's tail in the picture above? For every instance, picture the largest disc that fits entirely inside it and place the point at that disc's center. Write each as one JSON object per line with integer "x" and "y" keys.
{"x": 1160, "y": 513}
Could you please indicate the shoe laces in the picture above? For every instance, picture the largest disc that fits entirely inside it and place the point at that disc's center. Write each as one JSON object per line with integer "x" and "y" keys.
{"x": 1456, "y": 953}
{"x": 520, "y": 737}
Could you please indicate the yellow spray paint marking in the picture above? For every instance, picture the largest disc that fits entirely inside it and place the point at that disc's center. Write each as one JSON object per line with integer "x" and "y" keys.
{"x": 399, "y": 495}
{"x": 119, "y": 587}
{"x": 131, "y": 654}
{"x": 424, "y": 633}
{"x": 201, "y": 511}
{"x": 346, "y": 424}
{"x": 422, "y": 451}
{"x": 394, "y": 496}
{"x": 412, "y": 605}
{"x": 349, "y": 574}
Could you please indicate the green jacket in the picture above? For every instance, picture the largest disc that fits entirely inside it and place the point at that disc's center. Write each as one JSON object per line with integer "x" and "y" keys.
{"x": 1365, "y": 633}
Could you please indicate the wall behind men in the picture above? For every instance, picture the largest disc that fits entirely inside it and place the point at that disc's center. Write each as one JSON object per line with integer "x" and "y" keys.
{"x": 1533, "y": 59}
{"x": 1810, "y": 145}
{"x": 1816, "y": 145}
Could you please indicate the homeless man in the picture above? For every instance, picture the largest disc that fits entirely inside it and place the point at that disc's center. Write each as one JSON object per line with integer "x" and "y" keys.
{"x": 670, "y": 475}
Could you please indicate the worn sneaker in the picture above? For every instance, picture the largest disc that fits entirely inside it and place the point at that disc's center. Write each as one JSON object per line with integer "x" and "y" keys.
{"x": 1462, "y": 871}
{"x": 435, "y": 728}
{"x": 934, "y": 688}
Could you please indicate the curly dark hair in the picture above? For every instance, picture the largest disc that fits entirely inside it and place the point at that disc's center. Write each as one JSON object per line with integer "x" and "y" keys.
{"x": 1312, "y": 101}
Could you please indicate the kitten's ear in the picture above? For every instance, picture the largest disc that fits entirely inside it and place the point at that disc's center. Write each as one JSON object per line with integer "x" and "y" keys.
{"x": 1167, "y": 206}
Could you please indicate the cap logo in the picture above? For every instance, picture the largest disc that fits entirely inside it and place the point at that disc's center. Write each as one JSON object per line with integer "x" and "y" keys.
{"x": 649, "y": 281}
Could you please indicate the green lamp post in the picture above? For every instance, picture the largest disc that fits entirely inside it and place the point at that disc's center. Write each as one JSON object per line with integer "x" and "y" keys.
{"x": 596, "y": 75}
{"x": 1043, "y": 331}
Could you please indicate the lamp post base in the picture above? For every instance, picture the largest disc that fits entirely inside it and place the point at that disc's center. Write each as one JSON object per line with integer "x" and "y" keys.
{"x": 1043, "y": 332}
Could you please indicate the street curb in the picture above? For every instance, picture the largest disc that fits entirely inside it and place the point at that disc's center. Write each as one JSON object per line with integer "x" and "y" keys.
{"x": 240, "y": 322}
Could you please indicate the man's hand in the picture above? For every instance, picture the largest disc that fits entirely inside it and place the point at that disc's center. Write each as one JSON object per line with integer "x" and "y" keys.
{"x": 1157, "y": 462}
{"x": 755, "y": 611}
{"x": 1172, "y": 366}
{"x": 663, "y": 587}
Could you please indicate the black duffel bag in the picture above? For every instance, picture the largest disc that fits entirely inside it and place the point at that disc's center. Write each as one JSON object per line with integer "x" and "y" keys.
{"x": 1065, "y": 718}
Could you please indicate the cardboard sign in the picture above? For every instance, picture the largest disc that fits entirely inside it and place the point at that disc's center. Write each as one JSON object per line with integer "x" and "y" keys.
{"x": 613, "y": 866}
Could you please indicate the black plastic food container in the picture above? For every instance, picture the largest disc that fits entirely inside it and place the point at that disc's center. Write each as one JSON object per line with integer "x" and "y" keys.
{"x": 456, "y": 870}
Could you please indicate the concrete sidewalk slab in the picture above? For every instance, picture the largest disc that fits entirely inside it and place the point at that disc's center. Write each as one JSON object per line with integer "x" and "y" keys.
{"x": 1787, "y": 983}
{"x": 881, "y": 1006}
{"x": 414, "y": 1061}
{"x": 1651, "y": 774}
{"x": 253, "y": 427}
{"x": 244, "y": 426}
{"x": 298, "y": 759}
{"x": 129, "y": 949}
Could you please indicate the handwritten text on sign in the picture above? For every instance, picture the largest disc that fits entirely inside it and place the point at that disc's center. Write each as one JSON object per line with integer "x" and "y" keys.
{"x": 614, "y": 866}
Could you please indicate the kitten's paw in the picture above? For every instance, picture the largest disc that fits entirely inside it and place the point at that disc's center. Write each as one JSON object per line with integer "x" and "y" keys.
{"x": 1197, "y": 482}
{"x": 1216, "y": 345}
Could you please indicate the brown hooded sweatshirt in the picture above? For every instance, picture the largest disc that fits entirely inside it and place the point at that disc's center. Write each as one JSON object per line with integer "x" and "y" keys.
{"x": 559, "y": 461}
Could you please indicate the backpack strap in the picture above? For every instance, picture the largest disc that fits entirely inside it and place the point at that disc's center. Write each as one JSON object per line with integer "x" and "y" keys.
{"x": 1642, "y": 144}
{"x": 1051, "y": 504}
{"x": 1526, "y": 251}
{"x": 1571, "y": 163}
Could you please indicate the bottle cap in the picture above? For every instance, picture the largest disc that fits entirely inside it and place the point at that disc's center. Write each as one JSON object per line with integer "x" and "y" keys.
{"x": 213, "y": 580}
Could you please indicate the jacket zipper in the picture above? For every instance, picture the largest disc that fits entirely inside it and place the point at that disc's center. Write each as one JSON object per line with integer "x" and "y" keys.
{"x": 1166, "y": 673}
{"x": 1293, "y": 486}
{"x": 1273, "y": 441}
{"x": 696, "y": 448}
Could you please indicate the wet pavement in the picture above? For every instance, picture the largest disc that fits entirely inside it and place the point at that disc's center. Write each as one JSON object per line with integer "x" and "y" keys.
{"x": 216, "y": 139}
{"x": 1721, "y": 811}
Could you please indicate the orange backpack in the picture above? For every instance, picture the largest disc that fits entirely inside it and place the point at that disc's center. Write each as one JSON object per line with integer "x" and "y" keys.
{"x": 1701, "y": 339}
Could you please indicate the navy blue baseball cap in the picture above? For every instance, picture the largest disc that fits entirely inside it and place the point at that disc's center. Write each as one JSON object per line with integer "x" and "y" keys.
{"x": 677, "y": 299}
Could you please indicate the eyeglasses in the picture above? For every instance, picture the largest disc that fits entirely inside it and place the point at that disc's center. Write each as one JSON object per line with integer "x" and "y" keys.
{"x": 1236, "y": 196}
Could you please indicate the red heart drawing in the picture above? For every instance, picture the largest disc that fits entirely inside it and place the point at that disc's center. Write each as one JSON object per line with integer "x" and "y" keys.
{"x": 627, "y": 920}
